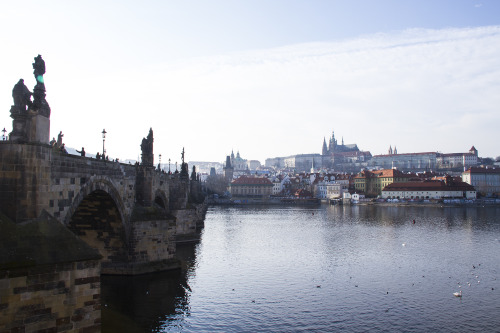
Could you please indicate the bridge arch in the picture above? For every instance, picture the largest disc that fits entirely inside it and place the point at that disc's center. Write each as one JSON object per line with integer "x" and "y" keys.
{"x": 161, "y": 199}
{"x": 97, "y": 216}
{"x": 98, "y": 184}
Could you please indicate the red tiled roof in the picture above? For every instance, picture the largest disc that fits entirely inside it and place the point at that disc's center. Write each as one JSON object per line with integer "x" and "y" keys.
{"x": 457, "y": 154}
{"x": 383, "y": 173}
{"x": 483, "y": 170}
{"x": 413, "y": 154}
{"x": 429, "y": 185}
{"x": 244, "y": 180}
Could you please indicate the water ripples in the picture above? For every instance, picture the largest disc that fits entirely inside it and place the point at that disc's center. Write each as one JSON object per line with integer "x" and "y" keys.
{"x": 352, "y": 269}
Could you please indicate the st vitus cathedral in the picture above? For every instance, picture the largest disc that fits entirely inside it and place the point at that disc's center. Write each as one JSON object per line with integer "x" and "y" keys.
{"x": 334, "y": 147}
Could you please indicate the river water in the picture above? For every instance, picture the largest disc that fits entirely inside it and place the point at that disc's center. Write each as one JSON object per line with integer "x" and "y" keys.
{"x": 323, "y": 269}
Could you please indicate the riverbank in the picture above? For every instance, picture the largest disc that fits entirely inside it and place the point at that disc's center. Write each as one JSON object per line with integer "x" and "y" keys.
{"x": 430, "y": 203}
{"x": 265, "y": 201}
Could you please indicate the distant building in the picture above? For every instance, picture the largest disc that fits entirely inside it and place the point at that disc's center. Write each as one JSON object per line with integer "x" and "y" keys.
{"x": 457, "y": 160}
{"x": 424, "y": 161}
{"x": 429, "y": 189}
{"x": 303, "y": 162}
{"x": 253, "y": 164}
{"x": 334, "y": 147}
{"x": 238, "y": 163}
{"x": 410, "y": 161}
{"x": 343, "y": 156}
{"x": 246, "y": 186}
{"x": 486, "y": 181}
{"x": 372, "y": 182}
{"x": 335, "y": 190}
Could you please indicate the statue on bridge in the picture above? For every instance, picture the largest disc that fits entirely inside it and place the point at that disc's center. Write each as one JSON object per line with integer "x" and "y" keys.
{"x": 184, "y": 167}
{"x": 193, "y": 174}
{"x": 147, "y": 149}
{"x": 39, "y": 69}
{"x": 59, "y": 142}
{"x": 40, "y": 105}
{"x": 31, "y": 118}
{"x": 22, "y": 97}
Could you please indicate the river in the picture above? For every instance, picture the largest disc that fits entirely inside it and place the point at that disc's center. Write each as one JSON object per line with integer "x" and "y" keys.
{"x": 323, "y": 269}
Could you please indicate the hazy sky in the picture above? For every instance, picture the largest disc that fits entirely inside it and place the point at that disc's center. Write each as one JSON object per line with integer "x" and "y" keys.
{"x": 266, "y": 78}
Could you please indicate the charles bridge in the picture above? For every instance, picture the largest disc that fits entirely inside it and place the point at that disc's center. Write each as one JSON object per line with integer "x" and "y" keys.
{"x": 66, "y": 219}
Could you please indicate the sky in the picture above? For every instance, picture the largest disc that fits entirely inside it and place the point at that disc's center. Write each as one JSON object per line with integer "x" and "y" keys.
{"x": 266, "y": 78}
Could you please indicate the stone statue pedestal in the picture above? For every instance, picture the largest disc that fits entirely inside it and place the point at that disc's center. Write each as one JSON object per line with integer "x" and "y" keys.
{"x": 39, "y": 129}
{"x": 19, "y": 127}
{"x": 30, "y": 127}
{"x": 147, "y": 159}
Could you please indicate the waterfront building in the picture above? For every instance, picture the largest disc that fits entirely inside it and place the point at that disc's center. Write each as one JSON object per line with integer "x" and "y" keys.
{"x": 372, "y": 182}
{"x": 335, "y": 190}
{"x": 485, "y": 180}
{"x": 429, "y": 189}
{"x": 245, "y": 186}
{"x": 319, "y": 185}
{"x": 303, "y": 194}
{"x": 329, "y": 186}
{"x": 276, "y": 186}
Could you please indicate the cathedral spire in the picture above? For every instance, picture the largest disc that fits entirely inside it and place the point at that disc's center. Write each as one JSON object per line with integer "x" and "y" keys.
{"x": 324, "y": 150}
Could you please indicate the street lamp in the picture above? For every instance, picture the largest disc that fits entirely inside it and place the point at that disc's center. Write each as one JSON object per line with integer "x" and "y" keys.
{"x": 4, "y": 131}
{"x": 169, "y": 165}
{"x": 159, "y": 161}
{"x": 103, "y": 139}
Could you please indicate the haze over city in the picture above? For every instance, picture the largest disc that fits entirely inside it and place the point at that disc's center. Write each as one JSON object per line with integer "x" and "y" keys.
{"x": 265, "y": 78}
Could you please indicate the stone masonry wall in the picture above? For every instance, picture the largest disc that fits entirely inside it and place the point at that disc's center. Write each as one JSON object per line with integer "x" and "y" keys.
{"x": 34, "y": 177}
{"x": 152, "y": 246}
{"x": 189, "y": 221}
{"x": 51, "y": 298}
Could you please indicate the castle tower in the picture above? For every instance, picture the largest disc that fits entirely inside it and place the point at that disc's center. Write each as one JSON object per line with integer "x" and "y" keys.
{"x": 473, "y": 151}
{"x": 228, "y": 170}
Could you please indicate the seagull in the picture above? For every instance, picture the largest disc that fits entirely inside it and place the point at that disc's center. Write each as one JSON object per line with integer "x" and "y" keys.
{"x": 457, "y": 294}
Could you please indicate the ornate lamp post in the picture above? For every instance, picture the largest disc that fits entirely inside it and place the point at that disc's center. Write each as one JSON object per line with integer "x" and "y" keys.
{"x": 103, "y": 139}
{"x": 4, "y": 131}
{"x": 159, "y": 162}
{"x": 169, "y": 166}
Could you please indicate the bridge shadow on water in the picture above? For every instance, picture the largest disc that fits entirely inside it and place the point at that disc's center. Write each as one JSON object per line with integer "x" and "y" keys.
{"x": 143, "y": 303}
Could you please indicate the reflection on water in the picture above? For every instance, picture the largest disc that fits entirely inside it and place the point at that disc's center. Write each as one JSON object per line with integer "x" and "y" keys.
{"x": 356, "y": 269}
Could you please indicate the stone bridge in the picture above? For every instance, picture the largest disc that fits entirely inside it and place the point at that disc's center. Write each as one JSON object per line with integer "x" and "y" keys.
{"x": 66, "y": 219}
{"x": 133, "y": 214}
